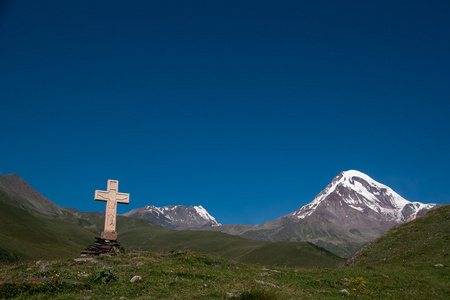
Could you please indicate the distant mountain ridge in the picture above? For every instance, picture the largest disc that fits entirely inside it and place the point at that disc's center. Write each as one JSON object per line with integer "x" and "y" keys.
{"x": 351, "y": 211}
{"x": 175, "y": 216}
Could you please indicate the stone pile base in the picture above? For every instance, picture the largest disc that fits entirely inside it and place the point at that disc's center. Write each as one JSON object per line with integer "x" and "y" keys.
{"x": 103, "y": 246}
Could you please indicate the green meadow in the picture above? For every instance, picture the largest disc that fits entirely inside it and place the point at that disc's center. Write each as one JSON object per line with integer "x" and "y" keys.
{"x": 189, "y": 275}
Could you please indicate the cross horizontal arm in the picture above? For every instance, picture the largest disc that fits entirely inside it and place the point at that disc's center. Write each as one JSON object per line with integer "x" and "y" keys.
{"x": 101, "y": 196}
{"x": 123, "y": 198}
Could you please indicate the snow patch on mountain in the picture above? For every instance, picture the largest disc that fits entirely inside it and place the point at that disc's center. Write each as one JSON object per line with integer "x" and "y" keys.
{"x": 175, "y": 216}
{"x": 205, "y": 215}
{"x": 361, "y": 192}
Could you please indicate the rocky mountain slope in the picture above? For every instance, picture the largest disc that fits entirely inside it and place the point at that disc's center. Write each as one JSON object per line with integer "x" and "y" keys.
{"x": 351, "y": 211}
{"x": 355, "y": 191}
{"x": 20, "y": 194}
{"x": 175, "y": 216}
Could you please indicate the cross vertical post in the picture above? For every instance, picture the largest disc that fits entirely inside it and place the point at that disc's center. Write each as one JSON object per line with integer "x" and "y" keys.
{"x": 111, "y": 197}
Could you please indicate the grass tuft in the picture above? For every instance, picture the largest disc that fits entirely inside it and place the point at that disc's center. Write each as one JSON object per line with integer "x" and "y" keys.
{"x": 258, "y": 295}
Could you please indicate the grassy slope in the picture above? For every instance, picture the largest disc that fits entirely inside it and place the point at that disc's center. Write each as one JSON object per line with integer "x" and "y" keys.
{"x": 224, "y": 245}
{"x": 292, "y": 254}
{"x": 143, "y": 235}
{"x": 424, "y": 240}
{"x": 28, "y": 236}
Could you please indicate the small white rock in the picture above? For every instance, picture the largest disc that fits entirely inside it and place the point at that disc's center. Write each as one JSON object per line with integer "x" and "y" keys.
{"x": 84, "y": 259}
{"x": 345, "y": 291}
{"x": 233, "y": 295}
{"x": 135, "y": 278}
{"x": 439, "y": 265}
{"x": 267, "y": 283}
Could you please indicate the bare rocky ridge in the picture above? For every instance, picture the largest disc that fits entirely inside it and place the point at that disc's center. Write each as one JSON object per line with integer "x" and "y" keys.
{"x": 20, "y": 194}
{"x": 71, "y": 209}
{"x": 175, "y": 216}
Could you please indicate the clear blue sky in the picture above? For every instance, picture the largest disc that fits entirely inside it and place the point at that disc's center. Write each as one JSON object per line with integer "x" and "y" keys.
{"x": 248, "y": 108}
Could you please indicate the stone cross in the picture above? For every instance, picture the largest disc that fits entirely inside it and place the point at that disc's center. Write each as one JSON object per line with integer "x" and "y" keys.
{"x": 111, "y": 197}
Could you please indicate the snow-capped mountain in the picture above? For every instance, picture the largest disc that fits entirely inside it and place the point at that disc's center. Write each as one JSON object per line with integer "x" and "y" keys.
{"x": 353, "y": 190}
{"x": 175, "y": 216}
{"x": 351, "y": 211}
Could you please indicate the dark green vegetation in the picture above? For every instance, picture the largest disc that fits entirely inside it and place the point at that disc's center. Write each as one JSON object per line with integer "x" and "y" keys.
{"x": 231, "y": 247}
{"x": 25, "y": 236}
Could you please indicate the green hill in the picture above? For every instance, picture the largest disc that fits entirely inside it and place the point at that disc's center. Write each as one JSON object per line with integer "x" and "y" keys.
{"x": 25, "y": 236}
{"x": 228, "y": 246}
{"x": 421, "y": 241}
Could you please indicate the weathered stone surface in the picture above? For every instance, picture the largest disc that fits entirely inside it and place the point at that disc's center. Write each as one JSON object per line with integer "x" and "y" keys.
{"x": 109, "y": 235}
{"x": 103, "y": 246}
{"x": 111, "y": 197}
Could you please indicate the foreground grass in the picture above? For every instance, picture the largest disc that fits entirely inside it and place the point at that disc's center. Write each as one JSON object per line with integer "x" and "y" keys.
{"x": 188, "y": 275}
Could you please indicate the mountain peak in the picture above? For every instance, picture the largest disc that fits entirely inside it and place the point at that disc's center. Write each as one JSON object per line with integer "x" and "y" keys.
{"x": 348, "y": 178}
{"x": 360, "y": 192}
{"x": 175, "y": 216}
{"x": 369, "y": 189}
{"x": 350, "y": 174}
